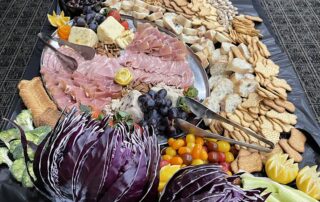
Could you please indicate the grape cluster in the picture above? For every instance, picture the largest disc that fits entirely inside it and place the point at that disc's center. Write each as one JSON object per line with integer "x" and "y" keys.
{"x": 159, "y": 113}
{"x": 80, "y": 3}
{"x": 91, "y": 17}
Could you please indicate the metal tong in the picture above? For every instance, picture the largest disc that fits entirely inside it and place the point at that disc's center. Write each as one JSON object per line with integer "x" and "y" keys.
{"x": 203, "y": 112}
{"x": 68, "y": 62}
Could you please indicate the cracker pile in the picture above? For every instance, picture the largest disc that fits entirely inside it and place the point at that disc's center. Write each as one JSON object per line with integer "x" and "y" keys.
{"x": 110, "y": 50}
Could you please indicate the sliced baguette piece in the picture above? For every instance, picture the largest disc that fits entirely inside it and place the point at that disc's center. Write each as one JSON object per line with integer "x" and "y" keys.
{"x": 215, "y": 56}
{"x": 181, "y": 20}
{"x": 155, "y": 9}
{"x": 189, "y": 39}
{"x": 140, "y": 3}
{"x": 222, "y": 38}
{"x": 236, "y": 77}
{"x": 210, "y": 34}
{"x": 127, "y": 5}
{"x": 244, "y": 50}
{"x": 155, "y": 16}
{"x": 226, "y": 47}
{"x": 218, "y": 68}
{"x": 246, "y": 86}
{"x": 140, "y": 9}
{"x": 168, "y": 22}
{"x": 159, "y": 22}
{"x": 214, "y": 80}
{"x": 202, "y": 57}
{"x": 230, "y": 102}
{"x": 240, "y": 66}
{"x": 202, "y": 30}
{"x": 197, "y": 47}
{"x": 190, "y": 31}
{"x": 139, "y": 16}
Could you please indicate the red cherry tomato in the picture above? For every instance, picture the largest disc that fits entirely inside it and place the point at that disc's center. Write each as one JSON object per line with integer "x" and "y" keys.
{"x": 163, "y": 163}
{"x": 225, "y": 166}
{"x": 115, "y": 14}
{"x": 213, "y": 157}
{"x": 221, "y": 157}
{"x": 125, "y": 24}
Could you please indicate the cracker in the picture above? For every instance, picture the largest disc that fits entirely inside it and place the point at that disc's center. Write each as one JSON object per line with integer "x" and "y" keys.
{"x": 269, "y": 94}
{"x": 266, "y": 123}
{"x": 175, "y": 6}
{"x": 228, "y": 127}
{"x": 181, "y": 2}
{"x": 281, "y": 92}
{"x": 281, "y": 83}
{"x": 267, "y": 71}
{"x": 226, "y": 133}
{"x": 284, "y": 117}
{"x": 263, "y": 49}
{"x": 271, "y": 135}
{"x": 290, "y": 151}
{"x": 241, "y": 116}
{"x": 254, "y": 110}
{"x": 243, "y": 152}
{"x": 187, "y": 11}
{"x": 266, "y": 155}
{"x": 234, "y": 166}
{"x": 245, "y": 136}
{"x": 167, "y": 4}
{"x": 247, "y": 117}
{"x": 253, "y": 18}
{"x": 253, "y": 127}
{"x": 253, "y": 100}
{"x": 276, "y": 126}
{"x": 285, "y": 127}
{"x": 250, "y": 163}
{"x": 274, "y": 106}
{"x": 234, "y": 118}
{"x": 286, "y": 104}
{"x": 297, "y": 140}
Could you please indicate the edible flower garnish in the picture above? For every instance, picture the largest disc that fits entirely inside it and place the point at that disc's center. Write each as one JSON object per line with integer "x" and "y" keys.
{"x": 58, "y": 20}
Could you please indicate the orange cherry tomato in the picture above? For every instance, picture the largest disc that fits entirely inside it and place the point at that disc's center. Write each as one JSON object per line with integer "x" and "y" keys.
{"x": 170, "y": 151}
{"x": 64, "y": 32}
{"x": 177, "y": 144}
{"x": 190, "y": 138}
{"x": 171, "y": 141}
{"x": 203, "y": 155}
{"x": 167, "y": 157}
{"x": 196, "y": 151}
{"x": 199, "y": 140}
{"x": 176, "y": 160}
{"x": 184, "y": 150}
{"x": 229, "y": 157}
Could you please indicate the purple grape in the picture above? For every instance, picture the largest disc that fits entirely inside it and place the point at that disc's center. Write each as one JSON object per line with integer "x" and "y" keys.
{"x": 162, "y": 93}
{"x": 93, "y": 25}
{"x": 81, "y": 22}
{"x": 89, "y": 17}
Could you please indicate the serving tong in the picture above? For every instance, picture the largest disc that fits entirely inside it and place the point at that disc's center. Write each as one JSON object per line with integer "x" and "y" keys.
{"x": 70, "y": 63}
{"x": 202, "y": 111}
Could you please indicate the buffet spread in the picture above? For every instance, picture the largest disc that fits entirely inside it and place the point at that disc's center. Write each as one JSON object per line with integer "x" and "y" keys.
{"x": 103, "y": 127}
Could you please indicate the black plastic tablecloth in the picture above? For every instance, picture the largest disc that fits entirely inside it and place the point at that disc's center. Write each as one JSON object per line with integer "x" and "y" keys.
{"x": 10, "y": 190}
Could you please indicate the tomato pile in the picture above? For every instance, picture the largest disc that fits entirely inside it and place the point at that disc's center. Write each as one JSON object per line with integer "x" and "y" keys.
{"x": 193, "y": 150}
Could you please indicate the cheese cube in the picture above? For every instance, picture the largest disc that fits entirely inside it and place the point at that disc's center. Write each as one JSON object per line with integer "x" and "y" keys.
{"x": 109, "y": 30}
{"x": 83, "y": 36}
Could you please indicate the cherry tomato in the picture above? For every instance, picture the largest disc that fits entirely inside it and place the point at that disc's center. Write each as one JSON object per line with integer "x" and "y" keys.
{"x": 223, "y": 146}
{"x": 190, "y": 145}
{"x": 177, "y": 144}
{"x": 190, "y": 138}
{"x": 187, "y": 158}
{"x": 204, "y": 155}
{"x": 205, "y": 148}
{"x": 176, "y": 160}
{"x": 170, "y": 151}
{"x": 125, "y": 24}
{"x": 163, "y": 163}
{"x": 197, "y": 162}
{"x": 229, "y": 157}
{"x": 115, "y": 14}
{"x": 183, "y": 150}
{"x": 196, "y": 151}
{"x": 225, "y": 166}
{"x": 221, "y": 157}
{"x": 213, "y": 157}
{"x": 199, "y": 140}
{"x": 212, "y": 146}
{"x": 166, "y": 157}
{"x": 171, "y": 141}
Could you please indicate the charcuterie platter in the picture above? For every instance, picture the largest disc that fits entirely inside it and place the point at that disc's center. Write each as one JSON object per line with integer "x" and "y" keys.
{"x": 160, "y": 101}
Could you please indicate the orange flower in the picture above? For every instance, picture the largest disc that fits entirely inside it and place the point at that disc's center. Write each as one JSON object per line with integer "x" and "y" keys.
{"x": 64, "y": 32}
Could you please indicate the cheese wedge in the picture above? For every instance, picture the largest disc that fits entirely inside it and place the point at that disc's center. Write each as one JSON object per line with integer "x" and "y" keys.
{"x": 109, "y": 30}
{"x": 83, "y": 36}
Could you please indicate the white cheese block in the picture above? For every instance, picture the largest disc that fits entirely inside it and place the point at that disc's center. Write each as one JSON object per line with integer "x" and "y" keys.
{"x": 83, "y": 36}
{"x": 109, "y": 30}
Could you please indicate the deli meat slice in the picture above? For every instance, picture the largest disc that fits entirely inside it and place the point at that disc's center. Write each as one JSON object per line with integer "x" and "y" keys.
{"x": 150, "y": 40}
{"x": 152, "y": 70}
{"x": 91, "y": 84}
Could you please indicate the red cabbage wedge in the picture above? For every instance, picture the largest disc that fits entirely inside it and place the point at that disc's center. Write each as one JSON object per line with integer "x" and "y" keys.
{"x": 88, "y": 160}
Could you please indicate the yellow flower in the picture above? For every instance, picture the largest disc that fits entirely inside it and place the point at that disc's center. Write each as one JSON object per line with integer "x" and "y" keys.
{"x": 58, "y": 20}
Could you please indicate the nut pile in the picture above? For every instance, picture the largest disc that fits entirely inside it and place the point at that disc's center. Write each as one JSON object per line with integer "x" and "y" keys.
{"x": 110, "y": 50}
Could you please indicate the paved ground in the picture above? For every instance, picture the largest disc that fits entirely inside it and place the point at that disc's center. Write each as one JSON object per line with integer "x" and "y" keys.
{"x": 297, "y": 25}
{"x": 296, "y": 22}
